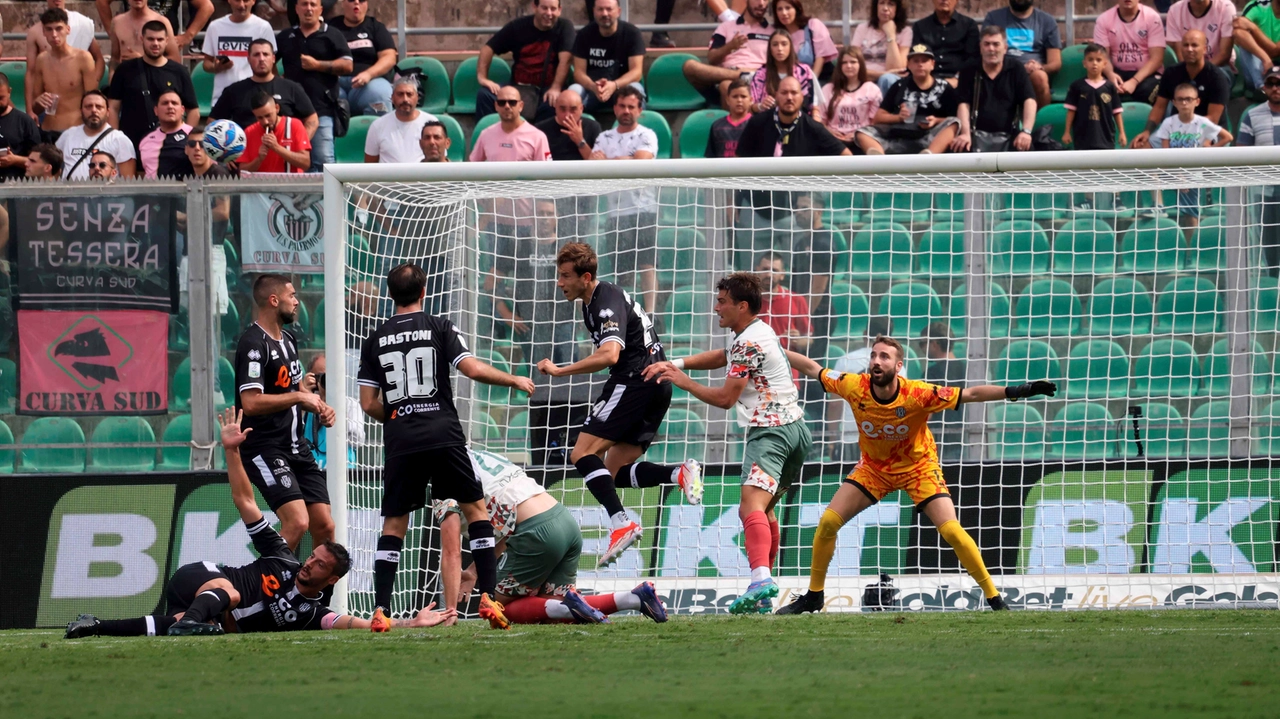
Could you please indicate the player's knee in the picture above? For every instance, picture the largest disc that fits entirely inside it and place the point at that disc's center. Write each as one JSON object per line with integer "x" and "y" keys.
{"x": 321, "y": 529}
{"x": 952, "y": 532}
{"x": 829, "y": 524}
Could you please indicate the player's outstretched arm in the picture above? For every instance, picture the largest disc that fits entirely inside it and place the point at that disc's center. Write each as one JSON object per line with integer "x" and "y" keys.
{"x": 804, "y": 365}
{"x": 481, "y": 371}
{"x": 426, "y": 617}
{"x": 241, "y": 489}
{"x": 992, "y": 393}
{"x": 605, "y": 356}
{"x": 724, "y": 396}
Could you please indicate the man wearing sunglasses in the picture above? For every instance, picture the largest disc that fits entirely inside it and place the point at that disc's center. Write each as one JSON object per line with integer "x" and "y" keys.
{"x": 511, "y": 140}
{"x": 102, "y": 166}
{"x": 95, "y": 134}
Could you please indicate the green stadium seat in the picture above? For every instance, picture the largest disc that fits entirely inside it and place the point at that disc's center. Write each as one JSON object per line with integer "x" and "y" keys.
{"x": 1164, "y": 433}
{"x": 998, "y": 310}
{"x": 350, "y": 147}
{"x": 911, "y": 306}
{"x": 1054, "y": 116}
{"x": 1135, "y": 120}
{"x": 481, "y": 125}
{"x": 1266, "y": 310}
{"x": 682, "y": 435}
{"x": 695, "y": 133}
{"x": 1152, "y": 245}
{"x": 1097, "y": 369}
{"x": 127, "y": 431}
{"x": 1047, "y": 308}
{"x": 906, "y": 208}
{"x": 1072, "y": 70}
{"x": 176, "y": 459}
{"x": 202, "y": 80}
{"x": 1032, "y": 206}
{"x": 912, "y": 365}
{"x": 230, "y": 327}
{"x": 1019, "y": 247}
{"x": 484, "y": 430}
{"x": 843, "y": 208}
{"x": 435, "y": 82}
{"x": 179, "y": 333}
{"x": 656, "y": 122}
{"x": 1208, "y": 251}
{"x": 1188, "y": 305}
{"x": 683, "y": 257}
{"x": 7, "y": 454}
{"x": 840, "y": 249}
{"x": 1081, "y": 431}
{"x": 1266, "y": 432}
{"x": 881, "y": 252}
{"x": 51, "y": 460}
{"x": 465, "y": 85}
{"x": 849, "y": 313}
{"x": 1120, "y": 306}
{"x": 518, "y": 432}
{"x": 688, "y": 320}
{"x": 457, "y": 140}
{"x": 682, "y": 207}
{"x": 1217, "y": 370}
{"x": 488, "y": 394}
{"x": 318, "y": 328}
{"x": 1019, "y": 432}
{"x": 1027, "y": 361}
{"x": 1166, "y": 368}
{"x": 180, "y": 387}
{"x": 1084, "y": 247}
{"x": 941, "y": 252}
{"x": 16, "y": 71}
{"x": 8, "y": 385}
{"x": 1209, "y": 434}
{"x": 667, "y": 87}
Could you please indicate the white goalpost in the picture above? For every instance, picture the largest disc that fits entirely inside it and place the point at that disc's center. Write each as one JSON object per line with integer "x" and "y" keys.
{"x": 1143, "y": 283}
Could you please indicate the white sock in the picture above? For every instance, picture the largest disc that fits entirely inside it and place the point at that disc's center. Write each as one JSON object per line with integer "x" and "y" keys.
{"x": 728, "y": 15}
{"x": 759, "y": 574}
{"x": 626, "y": 600}
{"x": 557, "y": 610}
{"x": 620, "y": 520}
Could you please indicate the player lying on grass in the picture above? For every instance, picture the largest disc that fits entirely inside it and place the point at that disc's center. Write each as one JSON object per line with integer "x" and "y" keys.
{"x": 898, "y": 452}
{"x": 539, "y": 543}
{"x": 759, "y": 383}
{"x": 276, "y": 593}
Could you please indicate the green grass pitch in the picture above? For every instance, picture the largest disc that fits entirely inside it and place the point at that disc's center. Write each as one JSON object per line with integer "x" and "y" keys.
{"x": 1036, "y": 664}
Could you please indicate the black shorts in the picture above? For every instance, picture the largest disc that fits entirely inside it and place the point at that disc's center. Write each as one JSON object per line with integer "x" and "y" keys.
{"x": 283, "y": 477}
{"x": 634, "y": 238}
{"x": 629, "y": 413}
{"x": 447, "y": 469}
{"x": 186, "y": 582}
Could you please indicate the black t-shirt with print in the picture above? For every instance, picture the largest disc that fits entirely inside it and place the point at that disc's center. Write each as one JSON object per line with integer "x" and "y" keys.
{"x": 366, "y": 40}
{"x": 607, "y": 57}
{"x": 533, "y": 51}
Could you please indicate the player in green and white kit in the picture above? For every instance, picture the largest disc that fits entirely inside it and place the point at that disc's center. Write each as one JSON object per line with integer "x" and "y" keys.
{"x": 759, "y": 382}
{"x": 538, "y": 545}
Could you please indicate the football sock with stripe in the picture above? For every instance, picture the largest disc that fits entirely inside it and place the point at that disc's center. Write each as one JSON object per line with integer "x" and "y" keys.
{"x": 644, "y": 474}
{"x": 969, "y": 556}
{"x": 139, "y": 627}
{"x": 824, "y": 547}
{"x": 615, "y": 602}
{"x": 482, "y": 553}
{"x": 385, "y": 563}
{"x": 775, "y": 541}
{"x": 600, "y": 482}
{"x": 207, "y": 605}
{"x": 755, "y": 529}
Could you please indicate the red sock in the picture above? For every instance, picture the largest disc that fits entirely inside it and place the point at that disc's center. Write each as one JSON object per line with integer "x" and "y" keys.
{"x": 775, "y": 540}
{"x": 529, "y": 610}
{"x": 604, "y": 602}
{"x": 756, "y": 535}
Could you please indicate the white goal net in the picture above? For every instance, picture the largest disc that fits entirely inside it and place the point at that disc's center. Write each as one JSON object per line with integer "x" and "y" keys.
{"x": 1144, "y": 284}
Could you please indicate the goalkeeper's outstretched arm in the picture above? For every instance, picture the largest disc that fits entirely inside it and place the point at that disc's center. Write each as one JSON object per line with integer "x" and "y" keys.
{"x": 1013, "y": 393}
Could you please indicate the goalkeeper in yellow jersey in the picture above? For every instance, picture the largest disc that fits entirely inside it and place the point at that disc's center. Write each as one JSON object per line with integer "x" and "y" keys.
{"x": 898, "y": 452}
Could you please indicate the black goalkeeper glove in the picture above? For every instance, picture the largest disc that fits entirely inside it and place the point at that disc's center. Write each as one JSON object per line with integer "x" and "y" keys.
{"x": 1030, "y": 389}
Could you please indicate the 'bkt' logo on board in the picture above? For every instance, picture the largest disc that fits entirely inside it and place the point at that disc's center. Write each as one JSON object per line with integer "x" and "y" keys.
{"x": 1216, "y": 520}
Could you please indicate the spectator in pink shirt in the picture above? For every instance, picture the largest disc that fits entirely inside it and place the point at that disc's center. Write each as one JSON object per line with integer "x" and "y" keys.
{"x": 854, "y": 98}
{"x": 1211, "y": 17}
{"x": 1133, "y": 35}
{"x": 884, "y": 40}
{"x": 809, "y": 35}
{"x": 511, "y": 140}
{"x": 738, "y": 48}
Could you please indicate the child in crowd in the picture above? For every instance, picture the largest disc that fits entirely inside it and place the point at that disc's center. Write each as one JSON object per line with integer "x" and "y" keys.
{"x": 1094, "y": 116}
{"x": 726, "y": 131}
{"x": 854, "y": 98}
{"x": 1187, "y": 129}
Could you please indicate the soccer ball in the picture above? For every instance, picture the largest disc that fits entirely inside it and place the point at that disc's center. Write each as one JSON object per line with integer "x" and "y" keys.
{"x": 224, "y": 141}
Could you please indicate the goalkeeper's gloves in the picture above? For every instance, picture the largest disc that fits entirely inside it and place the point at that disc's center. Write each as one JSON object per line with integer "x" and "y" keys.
{"x": 1014, "y": 393}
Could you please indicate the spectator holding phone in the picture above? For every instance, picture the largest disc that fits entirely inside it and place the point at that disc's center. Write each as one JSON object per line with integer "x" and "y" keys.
{"x": 226, "y": 45}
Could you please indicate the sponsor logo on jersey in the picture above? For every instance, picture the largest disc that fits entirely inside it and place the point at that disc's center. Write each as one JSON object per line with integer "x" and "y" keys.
{"x": 255, "y": 369}
{"x": 605, "y": 313}
{"x": 415, "y": 408}
{"x": 255, "y": 355}
{"x": 270, "y": 585}
{"x": 900, "y": 412}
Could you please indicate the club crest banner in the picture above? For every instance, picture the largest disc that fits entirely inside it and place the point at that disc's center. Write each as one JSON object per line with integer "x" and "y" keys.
{"x": 282, "y": 232}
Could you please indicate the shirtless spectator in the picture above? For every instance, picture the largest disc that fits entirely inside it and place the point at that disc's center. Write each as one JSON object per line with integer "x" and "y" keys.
{"x": 59, "y": 78}
{"x": 198, "y": 15}
{"x": 127, "y": 29}
{"x": 79, "y": 36}
{"x": 739, "y": 47}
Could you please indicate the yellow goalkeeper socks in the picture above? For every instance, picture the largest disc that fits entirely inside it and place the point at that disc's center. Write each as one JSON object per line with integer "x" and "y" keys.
{"x": 968, "y": 553}
{"x": 824, "y": 547}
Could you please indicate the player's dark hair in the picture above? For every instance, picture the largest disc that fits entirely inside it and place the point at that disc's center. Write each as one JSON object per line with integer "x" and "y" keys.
{"x": 342, "y": 558}
{"x": 405, "y": 284}
{"x": 154, "y": 26}
{"x": 263, "y": 41}
{"x": 939, "y": 333}
{"x": 743, "y": 287}
{"x": 51, "y": 156}
{"x": 581, "y": 255}
{"x": 885, "y": 340}
{"x": 54, "y": 14}
{"x": 1093, "y": 47}
{"x": 260, "y": 98}
{"x": 628, "y": 91}
{"x": 266, "y": 285}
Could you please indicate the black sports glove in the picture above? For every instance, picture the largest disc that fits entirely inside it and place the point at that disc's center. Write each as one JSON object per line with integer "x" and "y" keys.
{"x": 1030, "y": 389}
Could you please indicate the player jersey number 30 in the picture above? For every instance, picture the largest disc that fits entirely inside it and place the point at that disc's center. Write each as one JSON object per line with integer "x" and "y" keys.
{"x": 410, "y": 374}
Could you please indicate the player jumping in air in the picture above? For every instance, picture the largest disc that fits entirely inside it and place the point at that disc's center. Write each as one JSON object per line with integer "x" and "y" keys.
{"x": 539, "y": 542}
{"x": 898, "y": 452}
{"x": 404, "y": 383}
{"x": 271, "y": 390}
{"x": 276, "y": 593}
{"x": 625, "y": 418}
{"x": 759, "y": 382}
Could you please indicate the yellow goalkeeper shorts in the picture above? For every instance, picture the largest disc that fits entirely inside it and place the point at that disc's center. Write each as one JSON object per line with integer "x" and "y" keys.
{"x": 921, "y": 484}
